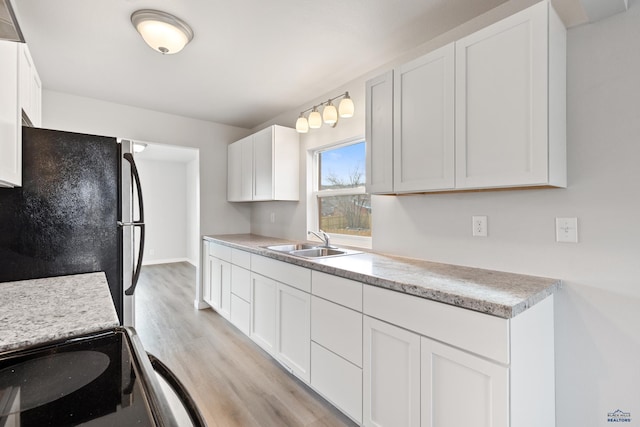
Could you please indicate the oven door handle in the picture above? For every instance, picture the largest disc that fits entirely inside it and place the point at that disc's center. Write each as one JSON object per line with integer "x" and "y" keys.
{"x": 182, "y": 393}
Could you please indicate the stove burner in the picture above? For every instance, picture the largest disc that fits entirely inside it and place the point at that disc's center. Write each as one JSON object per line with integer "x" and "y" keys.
{"x": 48, "y": 378}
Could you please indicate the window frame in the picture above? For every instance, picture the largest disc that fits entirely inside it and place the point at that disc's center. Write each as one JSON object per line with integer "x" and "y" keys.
{"x": 313, "y": 207}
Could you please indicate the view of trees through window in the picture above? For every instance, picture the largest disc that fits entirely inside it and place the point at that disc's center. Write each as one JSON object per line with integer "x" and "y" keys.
{"x": 343, "y": 205}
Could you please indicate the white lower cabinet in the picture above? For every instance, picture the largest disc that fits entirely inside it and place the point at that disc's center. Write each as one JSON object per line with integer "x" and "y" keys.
{"x": 387, "y": 358}
{"x": 217, "y": 292}
{"x": 263, "y": 312}
{"x": 338, "y": 380}
{"x": 293, "y": 308}
{"x": 240, "y": 298}
{"x": 460, "y": 389}
{"x": 391, "y": 375}
{"x": 280, "y": 318}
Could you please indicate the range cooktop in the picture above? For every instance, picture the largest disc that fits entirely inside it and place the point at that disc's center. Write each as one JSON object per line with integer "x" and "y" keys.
{"x": 94, "y": 380}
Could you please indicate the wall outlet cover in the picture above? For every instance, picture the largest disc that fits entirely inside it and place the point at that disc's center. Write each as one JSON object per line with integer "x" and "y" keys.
{"x": 479, "y": 224}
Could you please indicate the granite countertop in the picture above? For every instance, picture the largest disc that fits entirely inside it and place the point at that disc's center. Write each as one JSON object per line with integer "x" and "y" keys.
{"x": 40, "y": 310}
{"x": 496, "y": 293}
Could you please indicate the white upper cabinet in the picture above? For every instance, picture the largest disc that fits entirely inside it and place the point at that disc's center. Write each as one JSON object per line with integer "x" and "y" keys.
{"x": 21, "y": 97}
{"x": 488, "y": 111}
{"x": 510, "y": 102}
{"x": 30, "y": 88}
{"x": 379, "y": 134}
{"x": 10, "y": 128}
{"x": 423, "y": 125}
{"x": 264, "y": 166}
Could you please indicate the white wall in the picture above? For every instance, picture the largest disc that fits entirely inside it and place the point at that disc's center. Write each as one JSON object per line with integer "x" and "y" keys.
{"x": 598, "y": 309}
{"x": 165, "y": 188}
{"x": 193, "y": 210}
{"x": 85, "y": 115}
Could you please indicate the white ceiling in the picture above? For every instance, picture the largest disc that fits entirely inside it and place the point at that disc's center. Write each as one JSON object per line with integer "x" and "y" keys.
{"x": 249, "y": 61}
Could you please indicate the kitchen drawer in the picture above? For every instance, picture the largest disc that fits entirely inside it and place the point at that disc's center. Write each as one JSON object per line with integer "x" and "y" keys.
{"x": 467, "y": 329}
{"x": 292, "y": 275}
{"x": 337, "y": 328}
{"x": 241, "y": 282}
{"x": 337, "y": 380}
{"x": 337, "y": 289}
{"x": 220, "y": 251}
{"x": 241, "y": 258}
{"x": 240, "y": 313}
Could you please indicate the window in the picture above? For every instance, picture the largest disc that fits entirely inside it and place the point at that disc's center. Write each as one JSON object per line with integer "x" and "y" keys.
{"x": 340, "y": 202}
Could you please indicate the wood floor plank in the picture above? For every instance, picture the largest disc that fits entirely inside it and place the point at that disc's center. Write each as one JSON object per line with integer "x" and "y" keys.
{"x": 234, "y": 382}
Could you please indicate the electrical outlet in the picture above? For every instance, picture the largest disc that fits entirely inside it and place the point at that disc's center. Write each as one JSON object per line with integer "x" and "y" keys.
{"x": 479, "y": 226}
{"x": 567, "y": 230}
{"x": 272, "y": 217}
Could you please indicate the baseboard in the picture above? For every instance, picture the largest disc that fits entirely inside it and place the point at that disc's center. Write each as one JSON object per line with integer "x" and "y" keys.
{"x": 166, "y": 261}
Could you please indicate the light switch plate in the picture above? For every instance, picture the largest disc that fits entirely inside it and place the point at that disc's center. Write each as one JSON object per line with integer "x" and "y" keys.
{"x": 567, "y": 230}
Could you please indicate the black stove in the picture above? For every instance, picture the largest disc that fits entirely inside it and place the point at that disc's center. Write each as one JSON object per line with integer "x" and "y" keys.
{"x": 100, "y": 379}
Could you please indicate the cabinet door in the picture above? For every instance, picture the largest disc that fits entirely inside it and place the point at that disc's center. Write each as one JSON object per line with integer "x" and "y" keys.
{"x": 423, "y": 123}
{"x": 10, "y": 128}
{"x": 338, "y": 380}
{"x": 225, "y": 289}
{"x": 234, "y": 172}
{"x": 459, "y": 389}
{"x": 263, "y": 165}
{"x": 502, "y": 103}
{"x": 263, "y": 312}
{"x": 293, "y": 336}
{"x": 246, "y": 168}
{"x": 206, "y": 282}
{"x": 379, "y": 134}
{"x": 215, "y": 283}
{"x": 391, "y": 375}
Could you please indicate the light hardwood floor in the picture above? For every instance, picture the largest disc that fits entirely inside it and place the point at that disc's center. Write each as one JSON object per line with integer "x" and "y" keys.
{"x": 232, "y": 380}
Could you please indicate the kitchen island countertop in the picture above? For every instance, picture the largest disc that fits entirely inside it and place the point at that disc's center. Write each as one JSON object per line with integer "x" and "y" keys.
{"x": 40, "y": 310}
{"x": 496, "y": 293}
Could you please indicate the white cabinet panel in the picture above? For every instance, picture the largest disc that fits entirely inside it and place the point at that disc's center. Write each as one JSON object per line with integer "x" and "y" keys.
{"x": 263, "y": 312}
{"x": 10, "y": 120}
{"x": 263, "y": 165}
{"x": 337, "y": 328}
{"x": 240, "y": 314}
{"x": 241, "y": 282}
{"x": 477, "y": 332}
{"x": 423, "y": 157}
{"x": 460, "y": 389}
{"x": 217, "y": 292}
{"x": 391, "y": 375}
{"x": 292, "y": 275}
{"x": 337, "y": 380}
{"x": 379, "y": 134}
{"x": 503, "y": 102}
{"x": 337, "y": 289}
{"x": 293, "y": 330}
{"x": 234, "y": 172}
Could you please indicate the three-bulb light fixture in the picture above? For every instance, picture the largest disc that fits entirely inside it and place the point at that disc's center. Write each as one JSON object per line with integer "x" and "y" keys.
{"x": 329, "y": 115}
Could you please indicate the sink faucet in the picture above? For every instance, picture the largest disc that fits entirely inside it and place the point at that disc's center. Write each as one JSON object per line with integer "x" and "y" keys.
{"x": 322, "y": 236}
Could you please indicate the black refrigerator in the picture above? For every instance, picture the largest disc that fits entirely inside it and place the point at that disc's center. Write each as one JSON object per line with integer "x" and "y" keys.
{"x": 74, "y": 213}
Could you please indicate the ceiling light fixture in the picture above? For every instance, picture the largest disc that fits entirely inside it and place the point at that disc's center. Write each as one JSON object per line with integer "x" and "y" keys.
{"x": 161, "y": 31}
{"x": 329, "y": 113}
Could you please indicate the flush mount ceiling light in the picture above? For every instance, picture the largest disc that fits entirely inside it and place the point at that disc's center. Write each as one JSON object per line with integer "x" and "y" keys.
{"x": 161, "y": 31}
{"x": 329, "y": 113}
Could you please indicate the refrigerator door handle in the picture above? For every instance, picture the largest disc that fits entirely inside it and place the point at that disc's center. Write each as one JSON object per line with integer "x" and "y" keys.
{"x": 139, "y": 223}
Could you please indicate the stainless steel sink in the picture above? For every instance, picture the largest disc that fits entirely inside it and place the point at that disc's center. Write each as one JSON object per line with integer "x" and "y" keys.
{"x": 310, "y": 250}
{"x": 292, "y": 247}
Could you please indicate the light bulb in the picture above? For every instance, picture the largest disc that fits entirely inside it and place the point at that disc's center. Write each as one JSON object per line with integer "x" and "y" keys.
{"x": 315, "y": 119}
{"x": 330, "y": 114}
{"x": 302, "y": 126}
{"x": 346, "y": 106}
